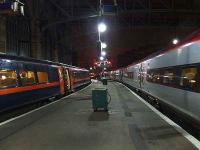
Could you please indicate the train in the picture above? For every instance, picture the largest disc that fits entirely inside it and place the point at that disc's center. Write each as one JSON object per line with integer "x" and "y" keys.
{"x": 26, "y": 80}
{"x": 170, "y": 77}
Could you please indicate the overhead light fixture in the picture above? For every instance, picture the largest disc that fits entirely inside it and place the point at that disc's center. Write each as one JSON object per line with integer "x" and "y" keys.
{"x": 103, "y": 53}
{"x": 18, "y": 6}
{"x": 175, "y": 41}
{"x": 101, "y": 58}
{"x": 15, "y": 6}
{"x": 115, "y": 2}
{"x": 102, "y": 27}
{"x": 22, "y": 9}
{"x": 103, "y": 45}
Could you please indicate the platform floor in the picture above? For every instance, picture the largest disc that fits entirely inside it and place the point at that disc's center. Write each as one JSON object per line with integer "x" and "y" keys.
{"x": 71, "y": 124}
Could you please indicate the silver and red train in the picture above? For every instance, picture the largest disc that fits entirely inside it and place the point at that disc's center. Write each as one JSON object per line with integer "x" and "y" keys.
{"x": 26, "y": 80}
{"x": 171, "y": 77}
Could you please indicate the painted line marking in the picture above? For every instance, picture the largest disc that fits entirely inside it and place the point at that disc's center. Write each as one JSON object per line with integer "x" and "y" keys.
{"x": 184, "y": 133}
{"x": 32, "y": 111}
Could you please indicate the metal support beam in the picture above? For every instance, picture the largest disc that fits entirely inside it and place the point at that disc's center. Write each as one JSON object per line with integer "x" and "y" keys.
{"x": 60, "y": 8}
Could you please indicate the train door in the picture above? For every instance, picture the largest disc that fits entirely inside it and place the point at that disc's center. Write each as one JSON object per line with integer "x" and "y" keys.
{"x": 66, "y": 80}
{"x": 61, "y": 80}
{"x": 71, "y": 78}
{"x": 141, "y": 76}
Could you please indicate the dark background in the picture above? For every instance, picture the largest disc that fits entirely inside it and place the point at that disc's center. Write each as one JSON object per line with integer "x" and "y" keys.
{"x": 66, "y": 30}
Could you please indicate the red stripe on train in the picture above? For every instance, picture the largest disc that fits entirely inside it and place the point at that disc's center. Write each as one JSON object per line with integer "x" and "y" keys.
{"x": 27, "y": 88}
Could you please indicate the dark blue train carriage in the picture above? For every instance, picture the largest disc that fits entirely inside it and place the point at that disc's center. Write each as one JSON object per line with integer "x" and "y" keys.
{"x": 24, "y": 81}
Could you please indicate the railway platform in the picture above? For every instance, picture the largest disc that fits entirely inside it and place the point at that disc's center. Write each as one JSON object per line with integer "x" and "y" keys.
{"x": 71, "y": 124}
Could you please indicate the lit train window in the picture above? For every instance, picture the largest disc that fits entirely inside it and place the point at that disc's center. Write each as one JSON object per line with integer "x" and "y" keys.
{"x": 153, "y": 76}
{"x": 188, "y": 76}
{"x": 27, "y": 77}
{"x": 156, "y": 77}
{"x": 168, "y": 77}
{"x": 42, "y": 77}
{"x": 8, "y": 78}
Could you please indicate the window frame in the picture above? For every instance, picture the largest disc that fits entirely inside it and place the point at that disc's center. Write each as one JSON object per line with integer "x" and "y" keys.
{"x": 16, "y": 83}
{"x": 197, "y": 88}
{"x": 36, "y": 80}
{"x": 177, "y": 70}
{"x": 37, "y": 77}
{"x": 155, "y": 72}
{"x": 172, "y": 82}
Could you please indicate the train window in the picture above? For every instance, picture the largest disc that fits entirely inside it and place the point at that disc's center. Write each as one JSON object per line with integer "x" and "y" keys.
{"x": 188, "y": 78}
{"x": 8, "y": 78}
{"x": 153, "y": 76}
{"x": 53, "y": 74}
{"x": 156, "y": 77}
{"x": 27, "y": 77}
{"x": 130, "y": 75}
{"x": 149, "y": 75}
{"x": 168, "y": 76}
{"x": 42, "y": 77}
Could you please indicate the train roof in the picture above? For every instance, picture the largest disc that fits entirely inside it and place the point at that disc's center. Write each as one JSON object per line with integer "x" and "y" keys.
{"x": 73, "y": 67}
{"x": 20, "y": 58}
{"x": 195, "y": 36}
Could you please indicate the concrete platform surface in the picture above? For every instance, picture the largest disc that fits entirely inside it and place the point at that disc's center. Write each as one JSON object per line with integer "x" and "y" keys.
{"x": 71, "y": 124}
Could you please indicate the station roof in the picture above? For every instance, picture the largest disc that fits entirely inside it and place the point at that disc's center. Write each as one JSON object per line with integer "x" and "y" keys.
{"x": 136, "y": 28}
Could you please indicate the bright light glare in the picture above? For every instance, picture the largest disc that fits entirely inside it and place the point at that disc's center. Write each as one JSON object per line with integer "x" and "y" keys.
{"x": 90, "y": 68}
{"x": 103, "y": 45}
{"x": 102, "y": 27}
{"x": 6, "y": 60}
{"x": 101, "y": 58}
{"x": 3, "y": 77}
{"x": 175, "y": 41}
{"x": 103, "y": 53}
